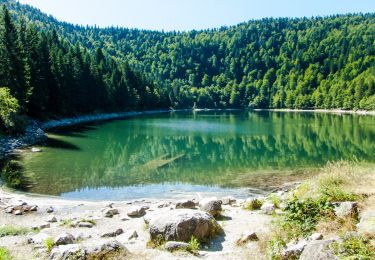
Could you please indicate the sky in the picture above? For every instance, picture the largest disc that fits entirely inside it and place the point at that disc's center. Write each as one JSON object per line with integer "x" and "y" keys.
{"x": 182, "y": 15}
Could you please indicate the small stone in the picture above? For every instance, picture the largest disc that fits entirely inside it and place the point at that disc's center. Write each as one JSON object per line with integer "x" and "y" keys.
{"x": 268, "y": 208}
{"x": 113, "y": 234}
{"x": 110, "y": 212}
{"x": 316, "y": 236}
{"x": 163, "y": 204}
{"x": 17, "y": 212}
{"x": 85, "y": 224}
{"x": 294, "y": 251}
{"x": 185, "y": 204}
{"x": 175, "y": 245}
{"x": 50, "y": 210}
{"x": 64, "y": 239}
{"x": 131, "y": 234}
{"x": 83, "y": 236}
{"x": 51, "y": 219}
{"x": 9, "y": 210}
{"x": 137, "y": 211}
{"x": 68, "y": 252}
{"x": 228, "y": 200}
{"x": 250, "y": 236}
{"x": 345, "y": 209}
{"x": 211, "y": 206}
{"x": 35, "y": 150}
{"x": 38, "y": 238}
{"x": 41, "y": 226}
{"x": 34, "y": 208}
{"x": 125, "y": 219}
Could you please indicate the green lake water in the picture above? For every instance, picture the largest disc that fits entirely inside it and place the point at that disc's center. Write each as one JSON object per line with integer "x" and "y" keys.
{"x": 172, "y": 154}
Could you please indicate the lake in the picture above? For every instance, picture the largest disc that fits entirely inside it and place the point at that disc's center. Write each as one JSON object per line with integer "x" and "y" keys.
{"x": 173, "y": 154}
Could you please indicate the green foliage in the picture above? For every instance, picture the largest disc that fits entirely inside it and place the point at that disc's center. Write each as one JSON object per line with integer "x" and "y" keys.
{"x": 12, "y": 174}
{"x": 354, "y": 247}
{"x": 13, "y": 231}
{"x": 253, "y": 204}
{"x": 275, "y": 247}
{"x": 8, "y": 107}
{"x": 5, "y": 254}
{"x": 330, "y": 189}
{"x": 302, "y": 217}
{"x": 275, "y": 200}
{"x": 49, "y": 244}
{"x": 194, "y": 245}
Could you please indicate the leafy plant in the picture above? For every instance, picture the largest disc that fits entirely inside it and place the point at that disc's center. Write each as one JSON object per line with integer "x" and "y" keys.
{"x": 194, "y": 244}
{"x": 4, "y": 254}
{"x": 49, "y": 244}
{"x": 302, "y": 216}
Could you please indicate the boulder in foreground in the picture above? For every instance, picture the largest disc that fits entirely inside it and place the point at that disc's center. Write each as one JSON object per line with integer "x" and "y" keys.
{"x": 182, "y": 225}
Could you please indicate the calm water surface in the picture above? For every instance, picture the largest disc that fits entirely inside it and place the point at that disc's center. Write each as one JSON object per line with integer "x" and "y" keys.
{"x": 206, "y": 152}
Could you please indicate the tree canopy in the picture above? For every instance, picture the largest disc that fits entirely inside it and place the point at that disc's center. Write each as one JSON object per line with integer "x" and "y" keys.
{"x": 56, "y": 68}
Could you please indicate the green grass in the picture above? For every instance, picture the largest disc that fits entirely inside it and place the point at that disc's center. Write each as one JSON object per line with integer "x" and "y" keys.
{"x": 194, "y": 245}
{"x": 4, "y": 254}
{"x": 354, "y": 247}
{"x": 49, "y": 244}
{"x": 14, "y": 231}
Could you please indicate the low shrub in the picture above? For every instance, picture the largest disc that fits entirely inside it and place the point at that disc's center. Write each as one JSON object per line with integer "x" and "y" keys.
{"x": 253, "y": 204}
{"x": 49, "y": 244}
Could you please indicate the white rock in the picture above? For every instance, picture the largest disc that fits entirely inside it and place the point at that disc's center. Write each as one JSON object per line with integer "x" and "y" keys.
{"x": 35, "y": 150}
{"x": 294, "y": 251}
{"x": 38, "y": 238}
{"x": 228, "y": 200}
{"x": 250, "y": 236}
{"x": 316, "y": 236}
{"x": 268, "y": 208}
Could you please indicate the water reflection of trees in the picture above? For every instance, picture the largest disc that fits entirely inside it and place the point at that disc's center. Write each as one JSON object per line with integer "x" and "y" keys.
{"x": 289, "y": 141}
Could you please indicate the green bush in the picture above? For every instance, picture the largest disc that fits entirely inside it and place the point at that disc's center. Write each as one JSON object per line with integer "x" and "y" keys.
{"x": 301, "y": 217}
{"x": 8, "y": 108}
{"x": 49, "y": 244}
{"x": 12, "y": 174}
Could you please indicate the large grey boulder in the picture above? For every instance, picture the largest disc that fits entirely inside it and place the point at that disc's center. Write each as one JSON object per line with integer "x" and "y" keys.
{"x": 108, "y": 250}
{"x": 366, "y": 225}
{"x": 182, "y": 224}
{"x": 318, "y": 250}
{"x": 211, "y": 205}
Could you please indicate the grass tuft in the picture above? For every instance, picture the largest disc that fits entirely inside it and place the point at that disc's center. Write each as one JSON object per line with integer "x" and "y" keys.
{"x": 253, "y": 204}
{"x": 49, "y": 244}
{"x": 5, "y": 254}
{"x": 14, "y": 231}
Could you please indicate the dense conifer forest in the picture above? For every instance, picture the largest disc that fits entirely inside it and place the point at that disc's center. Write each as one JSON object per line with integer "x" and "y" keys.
{"x": 50, "y": 68}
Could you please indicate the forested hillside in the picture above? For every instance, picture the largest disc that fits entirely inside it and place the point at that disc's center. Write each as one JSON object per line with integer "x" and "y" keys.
{"x": 43, "y": 75}
{"x": 318, "y": 62}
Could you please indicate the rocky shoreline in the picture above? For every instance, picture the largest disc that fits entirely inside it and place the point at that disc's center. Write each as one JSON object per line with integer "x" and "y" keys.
{"x": 193, "y": 228}
{"x": 35, "y": 132}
